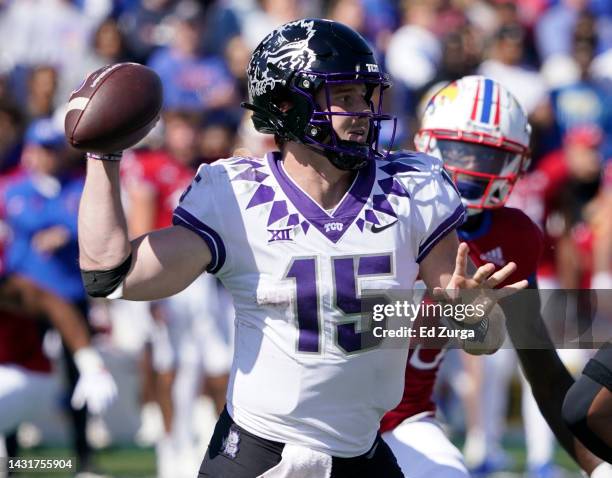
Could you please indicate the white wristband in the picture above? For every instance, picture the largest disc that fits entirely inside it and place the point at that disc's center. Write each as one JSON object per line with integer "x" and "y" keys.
{"x": 88, "y": 360}
{"x": 106, "y": 156}
{"x": 603, "y": 470}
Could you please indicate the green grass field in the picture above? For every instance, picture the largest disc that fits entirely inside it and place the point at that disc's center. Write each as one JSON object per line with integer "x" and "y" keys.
{"x": 115, "y": 462}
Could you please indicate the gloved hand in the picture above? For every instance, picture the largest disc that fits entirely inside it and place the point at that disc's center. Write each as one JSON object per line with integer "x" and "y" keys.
{"x": 96, "y": 387}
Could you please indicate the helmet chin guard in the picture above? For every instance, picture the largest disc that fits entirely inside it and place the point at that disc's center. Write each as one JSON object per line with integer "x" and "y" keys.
{"x": 294, "y": 63}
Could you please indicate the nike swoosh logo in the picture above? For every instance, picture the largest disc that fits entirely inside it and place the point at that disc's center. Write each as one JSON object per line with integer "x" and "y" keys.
{"x": 375, "y": 228}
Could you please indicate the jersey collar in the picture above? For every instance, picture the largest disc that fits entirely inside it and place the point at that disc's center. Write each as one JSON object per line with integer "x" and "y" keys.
{"x": 334, "y": 225}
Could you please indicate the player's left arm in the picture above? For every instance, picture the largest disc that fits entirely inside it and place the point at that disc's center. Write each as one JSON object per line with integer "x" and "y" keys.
{"x": 443, "y": 261}
{"x": 445, "y": 272}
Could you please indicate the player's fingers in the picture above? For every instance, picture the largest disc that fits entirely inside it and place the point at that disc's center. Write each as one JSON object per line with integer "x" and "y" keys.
{"x": 481, "y": 274}
{"x": 501, "y": 275}
{"x": 461, "y": 260}
{"x": 511, "y": 289}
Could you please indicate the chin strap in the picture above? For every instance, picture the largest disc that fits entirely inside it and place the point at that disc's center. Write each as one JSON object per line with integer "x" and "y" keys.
{"x": 346, "y": 162}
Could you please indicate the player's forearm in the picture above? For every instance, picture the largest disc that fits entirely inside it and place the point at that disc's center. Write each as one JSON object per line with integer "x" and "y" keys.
{"x": 548, "y": 377}
{"x": 103, "y": 239}
{"x": 550, "y": 382}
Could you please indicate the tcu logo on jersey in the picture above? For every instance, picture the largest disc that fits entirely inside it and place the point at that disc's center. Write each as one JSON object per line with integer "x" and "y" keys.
{"x": 280, "y": 235}
{"x": 334, "y": 226}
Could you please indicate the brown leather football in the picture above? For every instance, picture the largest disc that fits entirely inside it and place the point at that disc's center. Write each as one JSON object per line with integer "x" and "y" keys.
{"x": 114, "y": 108}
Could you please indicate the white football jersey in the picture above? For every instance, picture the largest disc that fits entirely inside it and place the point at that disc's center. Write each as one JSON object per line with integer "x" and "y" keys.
{"x": 303, "y": 371}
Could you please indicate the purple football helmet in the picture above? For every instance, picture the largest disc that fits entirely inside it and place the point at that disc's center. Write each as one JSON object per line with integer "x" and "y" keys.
{"x": 292, "y": 64}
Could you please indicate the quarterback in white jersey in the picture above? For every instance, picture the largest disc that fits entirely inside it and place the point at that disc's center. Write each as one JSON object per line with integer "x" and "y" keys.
{"x": 295, "y": 272}
{"x": 296, "y": 237}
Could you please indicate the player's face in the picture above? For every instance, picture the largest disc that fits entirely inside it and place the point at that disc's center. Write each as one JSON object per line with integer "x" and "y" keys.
{"x": 348, "y": 98}
{"x": 476, "y": 158}
{"x": 474, "y": 166}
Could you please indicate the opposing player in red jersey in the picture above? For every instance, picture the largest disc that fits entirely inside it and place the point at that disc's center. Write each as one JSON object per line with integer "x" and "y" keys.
{"x": 155, "y": 178}
{"x": 480, "y": 131}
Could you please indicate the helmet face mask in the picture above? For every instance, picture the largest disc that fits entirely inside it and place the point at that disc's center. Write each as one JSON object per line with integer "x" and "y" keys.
{"x": 481, "y": 133}
{"x": 296, "y": 62}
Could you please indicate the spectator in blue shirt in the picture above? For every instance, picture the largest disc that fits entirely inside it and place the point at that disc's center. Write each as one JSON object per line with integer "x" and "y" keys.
{"x": 586, "y": 100}
{"x": 42, "y": 211}
{"x": 192, "y": 82}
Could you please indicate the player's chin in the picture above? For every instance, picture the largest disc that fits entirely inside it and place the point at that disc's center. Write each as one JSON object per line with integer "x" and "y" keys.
{"x": 356, "y": 138}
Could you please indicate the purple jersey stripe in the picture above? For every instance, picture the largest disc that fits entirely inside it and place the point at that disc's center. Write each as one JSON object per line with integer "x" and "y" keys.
{"x": 450, "y": 223}
{"x": 210, "y": 236}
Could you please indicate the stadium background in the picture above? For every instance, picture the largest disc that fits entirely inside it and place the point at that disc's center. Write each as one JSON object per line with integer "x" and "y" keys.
{"x": 554, "y": 55}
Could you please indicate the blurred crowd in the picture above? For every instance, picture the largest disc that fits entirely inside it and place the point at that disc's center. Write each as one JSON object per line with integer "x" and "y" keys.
{"x": 555, "y": 56}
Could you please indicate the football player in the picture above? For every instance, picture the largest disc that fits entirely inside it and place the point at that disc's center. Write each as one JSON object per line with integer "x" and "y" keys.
{"x": 481, "y": 132}
{"x": 294, "y": 236}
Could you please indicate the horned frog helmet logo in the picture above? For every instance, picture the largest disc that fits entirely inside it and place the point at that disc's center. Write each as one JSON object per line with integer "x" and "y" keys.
{"x": 288, "y": 48}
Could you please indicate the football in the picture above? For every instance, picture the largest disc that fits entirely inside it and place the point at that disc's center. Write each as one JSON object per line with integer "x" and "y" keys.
{"x": 114, "y": 108}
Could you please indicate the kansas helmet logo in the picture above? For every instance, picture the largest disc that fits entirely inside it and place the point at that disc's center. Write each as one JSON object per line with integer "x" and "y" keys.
{"x": 286, "y": 48}
{"x": 446, "y": 95}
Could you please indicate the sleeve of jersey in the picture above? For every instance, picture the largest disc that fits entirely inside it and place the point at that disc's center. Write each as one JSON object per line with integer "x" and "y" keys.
{"x": 198, "y": 212}
{"x": 437, "y": 206}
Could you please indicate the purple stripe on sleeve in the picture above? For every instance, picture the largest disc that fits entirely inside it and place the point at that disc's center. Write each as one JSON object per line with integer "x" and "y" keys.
{"x": 450, "y": 223}
{"x": 213, "y": 240}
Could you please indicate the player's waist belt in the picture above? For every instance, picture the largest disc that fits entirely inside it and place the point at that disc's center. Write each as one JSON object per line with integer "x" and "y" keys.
{"x": 338, "y": 463}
